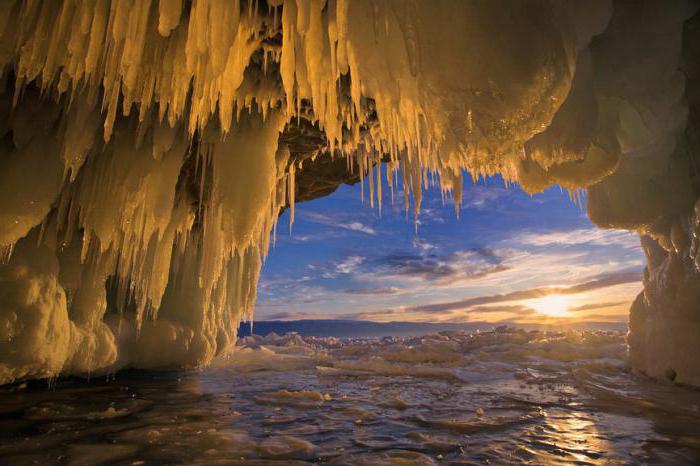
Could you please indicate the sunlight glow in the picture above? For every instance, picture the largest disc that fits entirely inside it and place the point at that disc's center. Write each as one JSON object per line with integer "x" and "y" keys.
{"x": 553, "y": 306}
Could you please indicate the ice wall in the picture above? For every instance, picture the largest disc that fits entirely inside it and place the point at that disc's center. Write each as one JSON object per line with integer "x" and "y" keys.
{"x": 665, "y": 318}
{"x": 142, "y": 166}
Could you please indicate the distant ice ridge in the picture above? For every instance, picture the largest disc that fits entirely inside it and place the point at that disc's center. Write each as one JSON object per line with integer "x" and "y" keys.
{"x": 142, "y": 170}
{"x": 458, "y": 356}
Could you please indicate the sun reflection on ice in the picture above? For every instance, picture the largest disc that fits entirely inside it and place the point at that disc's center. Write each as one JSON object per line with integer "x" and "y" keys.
{"x": 570, "y": 435}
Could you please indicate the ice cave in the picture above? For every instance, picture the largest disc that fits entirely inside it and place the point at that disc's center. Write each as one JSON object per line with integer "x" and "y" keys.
{"x": 147, "y": 148}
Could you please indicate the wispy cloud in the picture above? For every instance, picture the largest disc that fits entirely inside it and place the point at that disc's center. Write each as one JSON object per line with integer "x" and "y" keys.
{"x": 481, "y": 196}
{"x": 517, "y": 309}
{"x": 580, "y": 236}
{"x": 357, "y": 226}
{"x": 287, "y": 316}
{"x": 349, "y": 265}
{"x": 422, "y": 245}
{"x": 492, "y": 303}
{"x": 390, "y": 290}
{"x": 597, "y": 306}
{"x": 315, "y": 217}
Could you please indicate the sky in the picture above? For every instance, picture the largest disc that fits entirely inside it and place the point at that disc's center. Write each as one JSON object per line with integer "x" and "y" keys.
{"x": 508, "y": 258}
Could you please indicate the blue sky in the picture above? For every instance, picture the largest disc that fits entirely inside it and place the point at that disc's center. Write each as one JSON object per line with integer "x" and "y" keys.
{"x": 509, "y": 257}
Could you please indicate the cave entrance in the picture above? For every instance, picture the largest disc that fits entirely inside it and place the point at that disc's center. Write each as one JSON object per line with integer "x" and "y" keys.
{"x": 505, "y": 258}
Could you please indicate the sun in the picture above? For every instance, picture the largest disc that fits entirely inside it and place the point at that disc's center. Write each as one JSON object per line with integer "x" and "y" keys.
{"x": 553, "y": 305}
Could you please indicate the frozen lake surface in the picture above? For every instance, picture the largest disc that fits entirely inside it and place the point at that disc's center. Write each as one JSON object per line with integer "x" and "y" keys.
{"x": 451, "y": 398}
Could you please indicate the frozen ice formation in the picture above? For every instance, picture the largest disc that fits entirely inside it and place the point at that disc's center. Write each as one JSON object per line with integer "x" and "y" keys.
{"x": 148, "y": 146}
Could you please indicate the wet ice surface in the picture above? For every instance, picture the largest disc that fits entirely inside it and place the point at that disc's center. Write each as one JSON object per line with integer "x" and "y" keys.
{"x": 454, "y": 398}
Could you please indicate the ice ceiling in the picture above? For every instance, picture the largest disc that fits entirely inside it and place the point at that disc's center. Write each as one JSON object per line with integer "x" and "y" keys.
{"x": 147, "y": 148}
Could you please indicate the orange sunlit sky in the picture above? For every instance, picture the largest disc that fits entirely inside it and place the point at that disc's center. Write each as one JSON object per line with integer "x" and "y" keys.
{"x": 509, "y": 258}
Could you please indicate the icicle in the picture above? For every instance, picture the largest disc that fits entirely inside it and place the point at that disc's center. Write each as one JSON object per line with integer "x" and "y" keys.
{"x": 169, "y": 16}
{"x": 370, "y": 174}
{"x": 379, "y": 186}
{"x": 290, "y": 195}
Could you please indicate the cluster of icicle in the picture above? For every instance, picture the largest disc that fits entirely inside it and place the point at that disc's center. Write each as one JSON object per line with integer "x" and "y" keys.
{"x": 141, "y": 170}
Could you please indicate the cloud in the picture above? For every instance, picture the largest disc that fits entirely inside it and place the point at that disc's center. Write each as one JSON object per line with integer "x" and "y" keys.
{"x": 480, "y": 196}
{"x": 601, "y": 281}
{"x": 349, "y": 265}
{"x": 594, "y": 306}
{"x": 287, "y": 316}
{"x": 357, "y": 226}
{"x": 581, "y": 236}
{"x": 422, "y": 244}
{"x": 299, "y": 238}
{"x": 622, "y": 318}
{"x": 518, "y": 309}
{"x": 374, "y": 291}
{"x": 320, "y": 219}
{"x": 375, "y": 315}
{"x": 440, "y": 268}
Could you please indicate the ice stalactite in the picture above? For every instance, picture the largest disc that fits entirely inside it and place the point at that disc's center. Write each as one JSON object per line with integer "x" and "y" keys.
{"x": 370, "y": 74}
{"x": 147, "y": 147}
{"x": 130, "y": 260}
